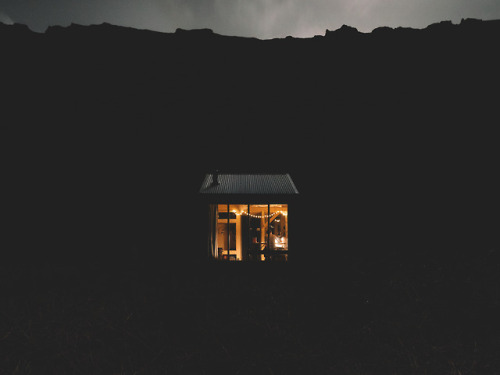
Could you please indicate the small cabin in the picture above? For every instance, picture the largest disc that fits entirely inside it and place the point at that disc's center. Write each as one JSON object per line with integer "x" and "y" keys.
{"x": 248, "y": 215}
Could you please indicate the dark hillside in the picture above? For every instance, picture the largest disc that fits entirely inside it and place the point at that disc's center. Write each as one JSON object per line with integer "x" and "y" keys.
{"x": 390, "y": 136}
{"x": 111, "y": 129}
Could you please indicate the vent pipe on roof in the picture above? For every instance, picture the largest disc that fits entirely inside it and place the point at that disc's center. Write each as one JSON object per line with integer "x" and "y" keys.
{"x": 215, "y": 178}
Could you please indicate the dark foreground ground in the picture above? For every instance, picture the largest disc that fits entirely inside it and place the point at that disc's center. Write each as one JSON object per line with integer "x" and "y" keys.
{"x": 385, "y": 316}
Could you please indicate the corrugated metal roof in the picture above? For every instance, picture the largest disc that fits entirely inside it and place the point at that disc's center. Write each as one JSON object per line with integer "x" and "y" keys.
{"x": 254, "y": 184}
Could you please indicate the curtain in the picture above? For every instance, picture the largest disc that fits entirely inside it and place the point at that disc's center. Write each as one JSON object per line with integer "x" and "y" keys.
{"x": 212, "y": 229}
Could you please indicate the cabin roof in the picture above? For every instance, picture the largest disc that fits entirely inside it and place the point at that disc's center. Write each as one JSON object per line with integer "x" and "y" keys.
{"x": 264, "y": 184}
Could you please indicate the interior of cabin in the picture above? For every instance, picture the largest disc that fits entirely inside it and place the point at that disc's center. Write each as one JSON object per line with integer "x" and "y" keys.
{"x": 256, "y": 232}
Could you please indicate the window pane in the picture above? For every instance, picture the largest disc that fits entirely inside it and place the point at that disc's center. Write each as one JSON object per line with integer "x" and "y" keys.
{"x": 258, "y": 230}
{"x": 222, "y": 233}
{"x": 223, "y": 215}
{"x": 278, "y": 231}
{"x": 236, "y": 230}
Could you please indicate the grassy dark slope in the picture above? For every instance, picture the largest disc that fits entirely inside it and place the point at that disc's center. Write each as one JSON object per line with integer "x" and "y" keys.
{"x": 431, "y": 317}
{"x": 390, "y": 137}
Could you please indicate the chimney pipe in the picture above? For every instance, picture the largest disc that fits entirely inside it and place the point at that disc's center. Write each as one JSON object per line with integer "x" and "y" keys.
{"x": 215, "y": 178}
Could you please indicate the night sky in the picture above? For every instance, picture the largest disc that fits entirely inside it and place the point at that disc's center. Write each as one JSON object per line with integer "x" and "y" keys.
{"x": 255, "y": 18}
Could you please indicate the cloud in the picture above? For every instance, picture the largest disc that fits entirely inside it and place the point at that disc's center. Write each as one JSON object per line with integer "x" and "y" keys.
{"x": 5, "y": 19}
{"x": 258, "y": 18}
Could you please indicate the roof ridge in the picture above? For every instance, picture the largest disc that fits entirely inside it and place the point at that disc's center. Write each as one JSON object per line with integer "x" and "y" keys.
{"x": 252, "y": 173}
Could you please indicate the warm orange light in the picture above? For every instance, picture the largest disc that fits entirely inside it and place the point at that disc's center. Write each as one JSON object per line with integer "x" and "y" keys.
{"x": 259, "y": 216}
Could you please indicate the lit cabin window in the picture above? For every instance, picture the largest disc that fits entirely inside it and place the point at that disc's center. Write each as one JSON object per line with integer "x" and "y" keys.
{"x": 257, "y": 232}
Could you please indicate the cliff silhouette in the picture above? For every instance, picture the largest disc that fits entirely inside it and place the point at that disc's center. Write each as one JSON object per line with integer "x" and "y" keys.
{"x": 110, "y": 129}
